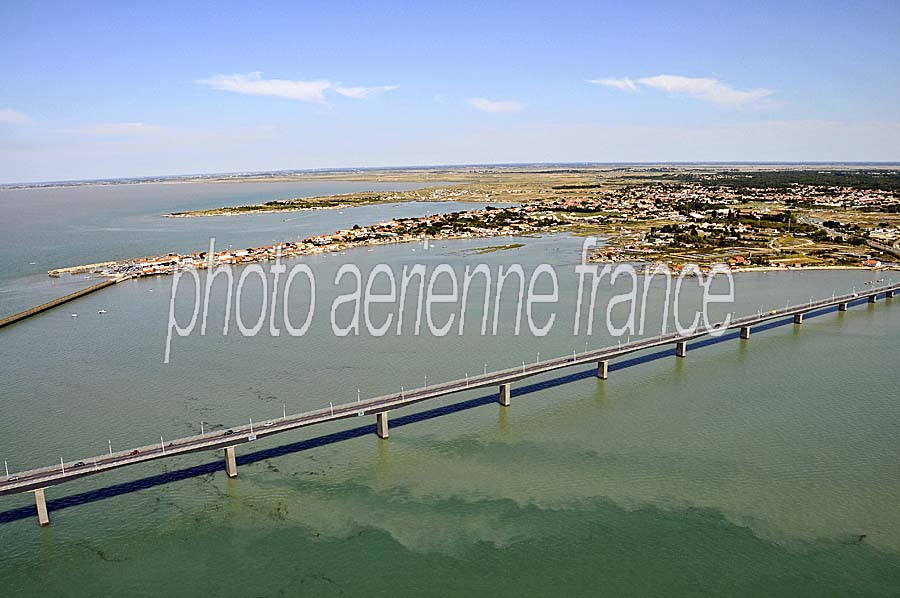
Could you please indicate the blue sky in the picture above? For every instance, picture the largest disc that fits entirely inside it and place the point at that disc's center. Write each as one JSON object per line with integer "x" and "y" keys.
{"x": 98, "y": 89}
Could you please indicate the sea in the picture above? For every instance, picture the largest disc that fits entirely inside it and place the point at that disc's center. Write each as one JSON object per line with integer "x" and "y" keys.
{"x": 760, "y": 467}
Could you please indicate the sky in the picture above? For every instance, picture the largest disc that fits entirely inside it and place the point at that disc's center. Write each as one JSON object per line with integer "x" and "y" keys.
{"x": 121, "y": 89}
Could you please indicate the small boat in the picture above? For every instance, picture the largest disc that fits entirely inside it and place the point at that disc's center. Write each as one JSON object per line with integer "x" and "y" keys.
{"x": 102, "y": 311}
{"x": 74, "y": 315}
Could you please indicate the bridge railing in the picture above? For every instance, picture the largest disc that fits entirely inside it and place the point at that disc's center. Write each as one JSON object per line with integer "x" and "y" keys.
{"x": 386, "y": 401}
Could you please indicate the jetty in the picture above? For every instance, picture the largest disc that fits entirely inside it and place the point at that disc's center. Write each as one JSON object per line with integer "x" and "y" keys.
{"x": 59, "y": 301}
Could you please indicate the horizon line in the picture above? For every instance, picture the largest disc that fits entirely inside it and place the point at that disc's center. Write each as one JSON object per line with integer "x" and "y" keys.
{"x": 138, "y": 179}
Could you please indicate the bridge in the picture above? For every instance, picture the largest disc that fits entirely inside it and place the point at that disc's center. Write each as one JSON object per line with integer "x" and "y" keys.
{"x": 37, "y": 480}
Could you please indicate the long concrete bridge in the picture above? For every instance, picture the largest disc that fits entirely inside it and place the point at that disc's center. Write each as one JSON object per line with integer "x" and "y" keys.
{"x": 37, "y": 480}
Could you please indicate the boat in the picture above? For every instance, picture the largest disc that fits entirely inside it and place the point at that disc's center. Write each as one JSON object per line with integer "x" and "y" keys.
{"x": 74, "y": 315}
{"x": 102, "y": 311}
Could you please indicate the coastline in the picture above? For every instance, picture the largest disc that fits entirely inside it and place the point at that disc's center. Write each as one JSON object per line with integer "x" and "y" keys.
{"x": 318, "y": 250}
{"x": 767, "y": 269}
{"x": 807, "y": 268}
{"x": 234, "y": 212}
{"x": 338, "y": 201}
{"x": 340, "y": 246}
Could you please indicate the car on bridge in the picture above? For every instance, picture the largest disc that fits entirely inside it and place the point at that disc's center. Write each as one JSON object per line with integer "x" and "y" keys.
{"x": 135, "y": 452}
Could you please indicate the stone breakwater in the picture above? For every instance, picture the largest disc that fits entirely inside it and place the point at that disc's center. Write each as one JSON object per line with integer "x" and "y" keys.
{"x": 59, "y": 301}
{"x": 81, "y": 269}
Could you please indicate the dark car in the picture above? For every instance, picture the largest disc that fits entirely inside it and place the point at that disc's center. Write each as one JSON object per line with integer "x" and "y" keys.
{"x": 135, "y": 452}
{"x": 79, "y": 464}
{"x": 228, "y": 433}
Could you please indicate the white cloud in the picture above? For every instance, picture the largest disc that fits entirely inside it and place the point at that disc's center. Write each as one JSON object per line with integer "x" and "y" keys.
{"x": 8, "y": 116}
{"x": 497, "y": 107}
{"x": 304, "y": 91}
{"x": 254, "y": 84}
{"x": 623, "y": 84}
{"x": 705, "y": 89}
{"x": 362, "y": 93}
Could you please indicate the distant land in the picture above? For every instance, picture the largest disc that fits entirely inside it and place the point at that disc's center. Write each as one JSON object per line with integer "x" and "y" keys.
{"x": 747, "y": 216}
{"x": 363, "y": 173}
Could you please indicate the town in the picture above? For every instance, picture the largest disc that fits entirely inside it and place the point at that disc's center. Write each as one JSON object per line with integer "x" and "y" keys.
{"x": 645, "y": 218}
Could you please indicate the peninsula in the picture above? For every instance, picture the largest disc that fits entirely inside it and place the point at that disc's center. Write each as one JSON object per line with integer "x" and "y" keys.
{"x": 748, "y": 217}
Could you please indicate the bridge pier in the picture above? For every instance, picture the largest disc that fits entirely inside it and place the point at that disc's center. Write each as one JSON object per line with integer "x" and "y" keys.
{"x": 603, "y": 369}
{"x": 41, "y": 502}
{"x": 889, "y": 294}
{"x": 505, "y": 394}
{"x": 798, "y": 318}
{"x": 843, "y": 306}
{"x": 745, "y": 332}
{"x": 873, "y": 298}
{"x": 681, "y": 349}
{"x": 381, "y": 428}
{"x": 230, "y": 462}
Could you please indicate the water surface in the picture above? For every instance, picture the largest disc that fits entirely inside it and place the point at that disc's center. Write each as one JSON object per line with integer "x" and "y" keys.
{"x": 767, "y": 467}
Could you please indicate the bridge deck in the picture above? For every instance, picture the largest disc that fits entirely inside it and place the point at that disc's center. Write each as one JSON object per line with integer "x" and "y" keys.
{"x": 52, "y": 475}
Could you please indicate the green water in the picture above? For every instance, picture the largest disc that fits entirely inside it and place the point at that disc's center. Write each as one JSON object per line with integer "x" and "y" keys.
{"x": 768, "y": 467}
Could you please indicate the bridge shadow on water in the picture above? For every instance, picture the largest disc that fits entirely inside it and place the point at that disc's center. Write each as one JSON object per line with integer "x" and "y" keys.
{"x": 357, "y": 432}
